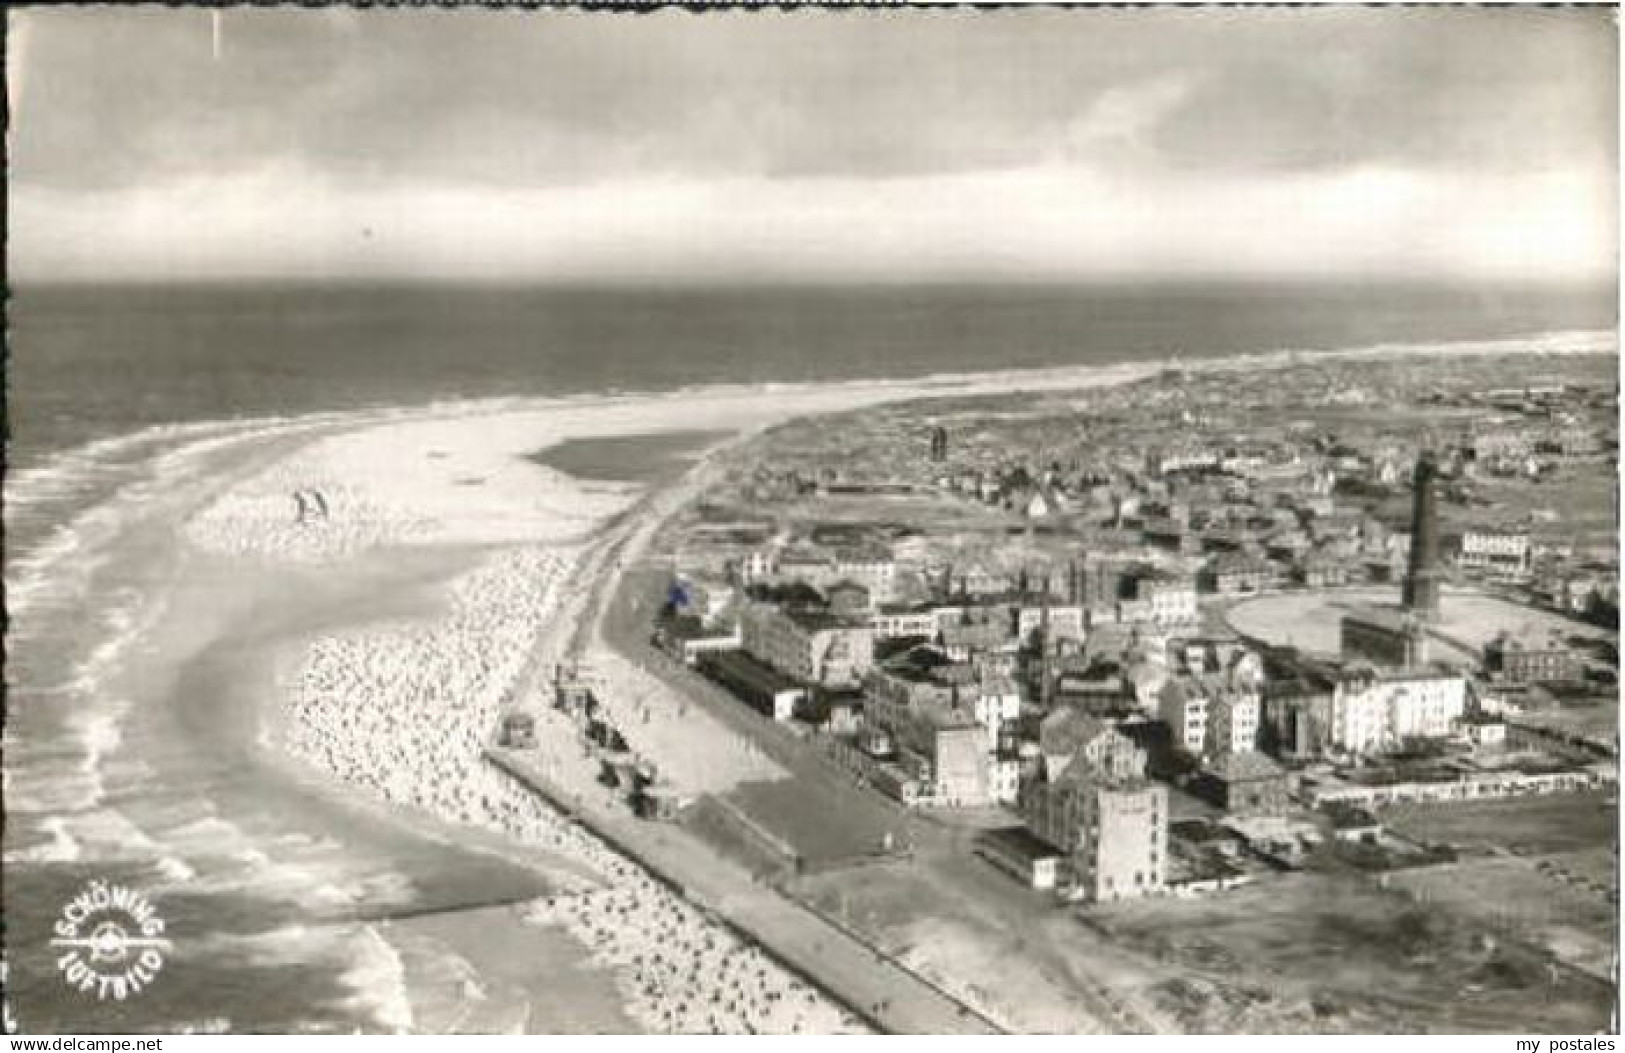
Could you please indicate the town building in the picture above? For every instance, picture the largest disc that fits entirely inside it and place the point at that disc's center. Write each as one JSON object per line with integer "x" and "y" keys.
{"x": 686, "y": 637}
{"x": 973, "y": 580}
{"x": 1234, "y": 573}
{"x": 1372, "y": 712}
{"x": 945, "y": 730}
{"x": 975, "y": 635}
{"x": 1484, "y": 730}
{"x": 1189, "y": 459}
{"x": 1183, "y": 706}
{"x": 1494, "y": 443}
{"x": 1531, "y": 659}
{"x": 1497, "y": 552}
{"x": 1100, "y": 581}
{"x": 1233, "y": 721}
{"x": 1210, "y": 714}
{"x": 1169, "y": 598}
{"x": 875, "y": 570}
{"x": 1295, "y": 720}
{"x": 1004, "y": 779}
{"x": 1058, "y": 622}
{"x": 1017, "y": 852}
{"x": 1387, "y": 637}
{"x": 1319, "y": 570}
{"x": 996, "y": 705}
{"x": 849, "y": 599}
{"x": 763, "y": 688}
{"x": 1090, "y": 799}
{"x": 891, "y": 622}
{"x": 948, "y": 755}
{"x": 1247, "y": 784}
{"x": 811, "y": 647}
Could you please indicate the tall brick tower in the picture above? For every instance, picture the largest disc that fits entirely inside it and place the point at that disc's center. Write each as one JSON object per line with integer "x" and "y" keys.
{"x": 1421, "y": 592}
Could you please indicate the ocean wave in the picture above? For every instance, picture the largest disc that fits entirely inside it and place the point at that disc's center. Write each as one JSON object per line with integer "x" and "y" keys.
{"x": 174, "y": 870}
{"x": 377, "y": 978}
{"x": 62, "y": 847}
{"x": 54, "y": 550}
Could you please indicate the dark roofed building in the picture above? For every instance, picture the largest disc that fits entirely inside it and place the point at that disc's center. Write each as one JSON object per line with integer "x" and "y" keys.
{"x": 1533, "y": 659}
{"x": 1246, "y": 784}
{"x": 1017, "y": 851}
{"x": 763, "y": 688}
{"x": 1388, "y": 637}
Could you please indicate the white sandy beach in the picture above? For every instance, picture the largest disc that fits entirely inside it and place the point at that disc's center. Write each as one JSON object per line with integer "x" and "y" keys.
{"x": 403, "y": 709}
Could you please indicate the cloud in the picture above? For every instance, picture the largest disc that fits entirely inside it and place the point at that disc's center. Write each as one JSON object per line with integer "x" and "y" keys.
{"x": 1054, "y": 221}
{"x": 1123, "y": 118}
{"x": 932, "y": 143}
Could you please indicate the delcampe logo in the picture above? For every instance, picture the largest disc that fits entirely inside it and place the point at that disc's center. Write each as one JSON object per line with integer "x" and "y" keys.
{"x": 112, "y": 939}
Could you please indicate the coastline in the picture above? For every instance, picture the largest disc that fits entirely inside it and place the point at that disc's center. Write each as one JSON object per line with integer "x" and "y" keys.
{"x": 427, "y": 507}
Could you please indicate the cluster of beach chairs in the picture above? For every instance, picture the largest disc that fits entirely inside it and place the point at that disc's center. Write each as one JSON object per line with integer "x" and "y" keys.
{"x": 406, "y": 711}
{"x": 684, "y": 974}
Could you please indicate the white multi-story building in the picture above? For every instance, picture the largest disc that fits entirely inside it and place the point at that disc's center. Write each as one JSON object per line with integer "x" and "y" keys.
{"x": 997, "y": 704}
{"x": 1171, "y": 601}
{"x": 1183, "y": 460}
{"x": 1004, "y": 780}
{"x": 777, "y": 562}
{"x": 1506, "y": 552}
{"x": 875, "y": 571}
{"x": 1370, "y": 713}
{"x": 759, "y": 565}
{"x": 1208, "y": 716}
{"x": 890, "y": 623}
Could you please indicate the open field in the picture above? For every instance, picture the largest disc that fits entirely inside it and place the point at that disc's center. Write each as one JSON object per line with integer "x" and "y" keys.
{"x": 1476, "y": 619}
{"x": 1316, "y": 953}
{"x": 818, "y": 809}
{"x": 1599, "y": 721}
{"x": 1595, "y": 870}
{"x": 1527, "y": 825}
{"x": 1312, "y": 621}
{"x": 1520, "y": 897}
{"x": 823, "y": 823}
{"x": 998, "y": 946}
{"x": 1578, "y": 505}
{"x": 1557, "y": 888}
{"x": 627, "y": 458}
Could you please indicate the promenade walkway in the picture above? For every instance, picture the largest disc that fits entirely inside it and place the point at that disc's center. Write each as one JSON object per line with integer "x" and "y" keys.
{"x": 875, "y": 987}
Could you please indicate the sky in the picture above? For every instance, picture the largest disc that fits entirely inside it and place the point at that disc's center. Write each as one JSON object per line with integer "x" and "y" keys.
{"x": 1451, "y": 144}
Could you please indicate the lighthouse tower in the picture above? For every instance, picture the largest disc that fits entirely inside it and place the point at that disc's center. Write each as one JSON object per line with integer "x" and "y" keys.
{"x": 1421, "y": 593}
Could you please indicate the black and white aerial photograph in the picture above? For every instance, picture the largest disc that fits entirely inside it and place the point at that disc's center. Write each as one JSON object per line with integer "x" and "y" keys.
{"x": 816, "y": 520}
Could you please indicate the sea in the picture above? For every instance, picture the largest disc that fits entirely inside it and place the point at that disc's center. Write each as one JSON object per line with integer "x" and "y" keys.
{"x": 114, "y": 394}
{"x": 92, "y": 362}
